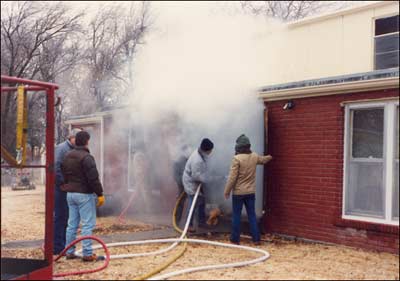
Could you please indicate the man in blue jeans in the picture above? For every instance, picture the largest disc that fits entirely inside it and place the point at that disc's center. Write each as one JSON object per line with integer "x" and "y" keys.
{"x": 242, "y": 181}
{"x": 195, "y": 173}
{"x": 60, "y": 217}
{"x": 84, "y": 189}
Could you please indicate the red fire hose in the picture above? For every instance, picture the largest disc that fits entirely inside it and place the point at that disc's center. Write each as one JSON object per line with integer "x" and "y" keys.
{"x": 107, "y": 260}
{"x": 121, "y": 217}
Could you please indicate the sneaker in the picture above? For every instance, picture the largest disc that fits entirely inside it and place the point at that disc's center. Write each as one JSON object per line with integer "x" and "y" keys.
{"x": 93, "y": 258}
{"x": 257, "y": 243}
{"x": 191, "y": 229}
{"x": 71, "y": 256}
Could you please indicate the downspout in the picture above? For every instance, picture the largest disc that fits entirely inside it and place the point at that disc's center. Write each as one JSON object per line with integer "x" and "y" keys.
{"x": 264, "y": 204}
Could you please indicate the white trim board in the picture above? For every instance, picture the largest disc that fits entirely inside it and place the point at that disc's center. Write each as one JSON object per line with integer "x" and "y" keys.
{"x": 332, "y": 89}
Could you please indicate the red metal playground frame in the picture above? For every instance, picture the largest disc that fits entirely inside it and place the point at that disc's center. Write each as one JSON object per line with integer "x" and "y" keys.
{"x": 27, "y": 269}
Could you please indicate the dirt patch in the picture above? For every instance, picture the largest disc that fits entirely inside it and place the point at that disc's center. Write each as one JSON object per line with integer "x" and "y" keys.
{"x": 24, "y": 220}
{"x": 22, "y": 214}
{"x": 289, "y": 260}
{"x": 23, "y": 217}
{"x": 111, "y": 225}
{"x": 26, "y": 253}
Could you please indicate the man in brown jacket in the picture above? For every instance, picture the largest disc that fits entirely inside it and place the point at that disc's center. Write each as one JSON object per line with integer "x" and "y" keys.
{"x": 83, "y": 187}
{"x": 242, "y": 181}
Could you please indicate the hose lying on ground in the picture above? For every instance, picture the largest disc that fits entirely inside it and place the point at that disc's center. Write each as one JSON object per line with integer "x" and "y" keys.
{"x": 161, "y": 251}
{"x": 175, "y": 257}
{"x": 176, "y": 241}
{"x": 106, "y": 262}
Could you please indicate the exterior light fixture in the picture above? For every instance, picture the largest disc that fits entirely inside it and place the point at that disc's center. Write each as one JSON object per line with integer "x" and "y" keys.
{"x": 288, "y": 105}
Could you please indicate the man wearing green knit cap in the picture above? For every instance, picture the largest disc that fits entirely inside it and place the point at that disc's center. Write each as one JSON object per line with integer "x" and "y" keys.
{"x": 242, "y": 182}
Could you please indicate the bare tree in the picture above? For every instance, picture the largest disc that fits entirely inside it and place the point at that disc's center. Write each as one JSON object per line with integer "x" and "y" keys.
{"x": 58, "y": 55}
{"x": 114, "y": 34}
{"x": 33, "y": 40}
{"x": 289, "y": 10}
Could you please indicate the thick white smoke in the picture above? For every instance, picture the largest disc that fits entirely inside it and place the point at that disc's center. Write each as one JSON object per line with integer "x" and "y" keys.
{"x": 203, "y": 64}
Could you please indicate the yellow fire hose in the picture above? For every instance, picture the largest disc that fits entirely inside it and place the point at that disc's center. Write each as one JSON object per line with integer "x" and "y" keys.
{"x": 173, "y": 258}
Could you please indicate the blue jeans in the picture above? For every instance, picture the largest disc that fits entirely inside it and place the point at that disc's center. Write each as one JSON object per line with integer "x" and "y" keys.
{"x": 249, "y": 201}
{"x": 82, "y": 208}
{"x": 199, "y": 210}
{"x": 60, "y": 219}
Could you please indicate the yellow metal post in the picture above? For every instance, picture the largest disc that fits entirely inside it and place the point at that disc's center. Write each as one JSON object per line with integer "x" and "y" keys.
{"x": 22, "y": 125}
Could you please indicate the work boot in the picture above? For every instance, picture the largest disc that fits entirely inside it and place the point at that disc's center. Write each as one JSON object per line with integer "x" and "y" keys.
{"x": 92, "y": 258}
{"x": 71, "y": 256}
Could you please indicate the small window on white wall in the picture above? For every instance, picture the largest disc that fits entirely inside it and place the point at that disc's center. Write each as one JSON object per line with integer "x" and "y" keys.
{"x": 371, "y": 167}
{"x": 387, "y": 42}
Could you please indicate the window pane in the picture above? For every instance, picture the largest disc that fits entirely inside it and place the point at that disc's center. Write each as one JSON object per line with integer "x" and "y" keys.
{"x": 387, "y": 25}
{"x": 387, "y": 43}
{"x": 396, "y": 148}
{"x": 396, "y": 170}
{"x": 367, "y": 132}
{"x": 365, "y": 193}
{"x": 387, "y": 60}
{"x": 396, "y": 191}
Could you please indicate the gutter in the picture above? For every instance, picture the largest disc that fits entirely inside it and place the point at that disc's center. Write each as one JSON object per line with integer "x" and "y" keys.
{"x": 332, "y": 89}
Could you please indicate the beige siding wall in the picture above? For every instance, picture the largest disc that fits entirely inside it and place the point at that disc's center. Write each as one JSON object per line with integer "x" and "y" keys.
{"x": 326, "y": 46}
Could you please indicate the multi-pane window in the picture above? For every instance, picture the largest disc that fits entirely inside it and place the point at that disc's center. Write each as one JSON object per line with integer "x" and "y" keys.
{"x": 387, "y": 42}
{"x": 371, "y": 189}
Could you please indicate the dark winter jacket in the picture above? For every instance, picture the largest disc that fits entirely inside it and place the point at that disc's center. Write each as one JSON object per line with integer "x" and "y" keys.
{"x": 80, "y": 172}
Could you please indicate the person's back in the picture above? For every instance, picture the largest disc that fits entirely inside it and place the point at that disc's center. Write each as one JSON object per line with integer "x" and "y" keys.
{"x": 194, "y": 172}
{"x": 244, "y": 165}
{"x": 80, "y": 172}
{"x": 242, "y": 182}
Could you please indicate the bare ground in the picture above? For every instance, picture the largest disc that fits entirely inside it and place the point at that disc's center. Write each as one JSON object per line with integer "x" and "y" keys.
{"x": 22, "y": 219}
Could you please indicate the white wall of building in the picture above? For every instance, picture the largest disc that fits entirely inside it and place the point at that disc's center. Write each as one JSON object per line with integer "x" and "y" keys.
{"x": 329, "y": 45}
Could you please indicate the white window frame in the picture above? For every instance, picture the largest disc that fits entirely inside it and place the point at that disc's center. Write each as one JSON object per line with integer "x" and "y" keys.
{"x": 388, "y": 156}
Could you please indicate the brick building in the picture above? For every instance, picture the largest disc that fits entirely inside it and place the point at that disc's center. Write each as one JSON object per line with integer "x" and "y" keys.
{"x": 335, "y": 140}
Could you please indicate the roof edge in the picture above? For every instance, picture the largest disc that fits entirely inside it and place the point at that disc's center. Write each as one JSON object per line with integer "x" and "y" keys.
{"x": 331, "y": 89}
{"x": 342, "y": 12}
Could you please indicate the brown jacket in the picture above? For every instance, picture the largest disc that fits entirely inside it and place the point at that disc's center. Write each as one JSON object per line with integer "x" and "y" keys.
{"x": 242, "y": 176}
{"x": 80, "y": 172}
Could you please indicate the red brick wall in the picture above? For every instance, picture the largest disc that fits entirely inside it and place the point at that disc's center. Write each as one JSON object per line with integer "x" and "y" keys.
{"x": 304, "y": 181}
